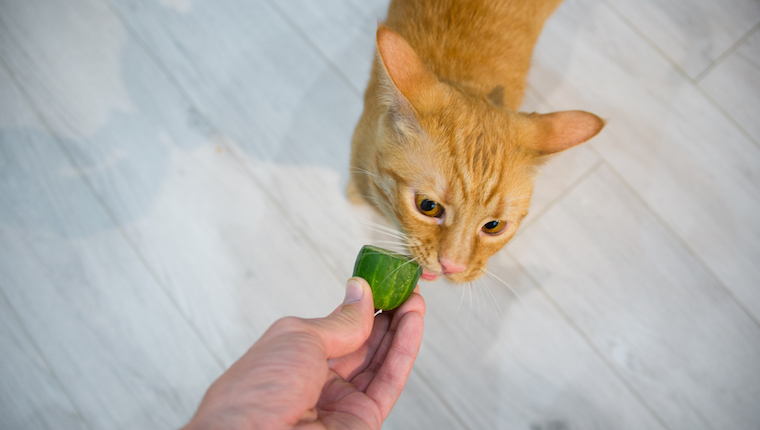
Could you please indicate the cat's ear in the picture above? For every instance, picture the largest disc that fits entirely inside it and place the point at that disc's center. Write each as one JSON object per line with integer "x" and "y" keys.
{"x": 557, "y": 131}
{"x": 405, "y": 73}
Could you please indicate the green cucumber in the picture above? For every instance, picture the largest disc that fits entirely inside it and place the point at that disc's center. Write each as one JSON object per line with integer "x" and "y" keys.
{"x": 391, "y": 276}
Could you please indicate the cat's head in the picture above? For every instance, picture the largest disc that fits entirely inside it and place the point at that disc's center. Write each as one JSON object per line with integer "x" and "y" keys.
{"x": 455, "y": 172}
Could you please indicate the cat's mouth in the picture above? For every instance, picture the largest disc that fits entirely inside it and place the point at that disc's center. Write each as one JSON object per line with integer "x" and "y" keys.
{"x": 459, "y": 277}
{"x": 428, "y": 275}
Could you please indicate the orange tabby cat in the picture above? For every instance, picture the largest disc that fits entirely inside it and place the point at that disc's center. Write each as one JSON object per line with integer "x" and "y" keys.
{"x": 440, "y": 148}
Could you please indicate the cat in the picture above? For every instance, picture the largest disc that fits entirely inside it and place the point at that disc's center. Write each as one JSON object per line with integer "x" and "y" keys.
{"x": 440, "y": 149}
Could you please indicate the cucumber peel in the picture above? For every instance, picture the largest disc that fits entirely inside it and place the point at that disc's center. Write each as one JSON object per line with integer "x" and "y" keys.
{"x": 392, "y": 276}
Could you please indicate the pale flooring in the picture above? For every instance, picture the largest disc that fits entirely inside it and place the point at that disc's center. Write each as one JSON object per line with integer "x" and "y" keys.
{"x": 171, "y": 183}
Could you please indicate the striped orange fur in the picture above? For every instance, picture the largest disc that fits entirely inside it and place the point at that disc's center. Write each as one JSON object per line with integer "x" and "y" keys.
{"x": 440, "y": 128}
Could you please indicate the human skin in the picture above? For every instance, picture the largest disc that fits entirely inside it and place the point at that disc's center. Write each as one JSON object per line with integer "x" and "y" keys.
{"x": 344, "y": 371}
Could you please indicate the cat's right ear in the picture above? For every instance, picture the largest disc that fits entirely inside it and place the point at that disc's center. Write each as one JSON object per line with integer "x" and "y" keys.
{"x": 410, "y": 88}
{"x": 557, "y": 131}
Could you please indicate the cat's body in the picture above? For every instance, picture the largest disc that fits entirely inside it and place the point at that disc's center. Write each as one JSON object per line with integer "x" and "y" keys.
{"x": 440, "y": 149}
{"x": 479, "y": 45}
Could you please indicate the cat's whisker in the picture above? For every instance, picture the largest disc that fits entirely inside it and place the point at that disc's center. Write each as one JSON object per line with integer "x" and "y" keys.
{"x": 390, "y": 243}
{"x": 390, "y": 231}
{"x": 490, "y": 293}
{"x": 397, "y": 239}
{"x": 488, "y": 170}
{"x": 517, "y": 199}
{"x": 360, "y": 170}
{"x": 394, "y": 235}
{"x": 373, "y": 198}
{"x": 482, "y": 299}
{"x": 499, "y": 266}
{"x": 487, "y": 300}
{"x": 469, "y": 314}
{"x": 487, "y": 272}
{"x": 370, "y": 199}
{"x": 477, "y": 298}
{"x": 395, "y": 249}
{"x": 490, "y": 298}
{"x": 381, "y": 227}
{"x": 461, "y": 300}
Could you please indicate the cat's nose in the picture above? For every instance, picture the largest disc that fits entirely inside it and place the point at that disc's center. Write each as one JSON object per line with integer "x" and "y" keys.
{"x": 449, "y": 267}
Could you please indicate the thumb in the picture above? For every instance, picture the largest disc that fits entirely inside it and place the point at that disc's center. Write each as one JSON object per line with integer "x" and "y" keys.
{"x": 344, "y": 331}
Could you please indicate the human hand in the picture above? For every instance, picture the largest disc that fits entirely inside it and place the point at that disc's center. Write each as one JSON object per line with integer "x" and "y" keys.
{"x": 343, "y": 371}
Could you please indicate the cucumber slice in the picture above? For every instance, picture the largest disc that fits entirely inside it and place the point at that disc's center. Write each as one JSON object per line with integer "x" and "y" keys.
{"x": 391, "y": 276}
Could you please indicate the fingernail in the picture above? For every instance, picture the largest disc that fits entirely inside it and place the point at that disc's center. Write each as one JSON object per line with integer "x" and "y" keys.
{"x": 354, "y": 292}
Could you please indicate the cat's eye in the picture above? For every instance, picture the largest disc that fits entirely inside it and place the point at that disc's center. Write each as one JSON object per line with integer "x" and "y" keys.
{"x": 494, "y": 227}
{"x": 428, "y": 207}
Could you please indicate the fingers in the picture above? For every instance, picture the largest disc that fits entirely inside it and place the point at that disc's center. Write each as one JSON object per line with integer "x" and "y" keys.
{"x": 371, "y": 354}
{"x": 391, "y": 378}
{"x": 415, "y": 303}
{"x": 351, "y": 364}
{"x": 346, "y": 330}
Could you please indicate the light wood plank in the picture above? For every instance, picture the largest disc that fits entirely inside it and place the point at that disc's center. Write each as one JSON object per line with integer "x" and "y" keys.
{"x": 203, "y": 222}
{"x": 560, "y": 172}
{"x": 510, "y": 360}
{"x": 691, "y": 164}
{"x": 309, "y": 190}
{"x": 30, "y": 396}
{"x": 652, "y": 310}
{"x": 189, "y": 206}
{"x": 692, "y": 34}
{"x": 347, "y": 259}
{"x": 481, "y": 401}
{"x": 419, "y": 408}
{"x": 474, "y": 405}
{"x": 111, "y": 336}
{"x": 227, "y": 255}
{"x": 735, "y": 85}
{"x": 342, "y": 30}
{"x": 280, "y": 105}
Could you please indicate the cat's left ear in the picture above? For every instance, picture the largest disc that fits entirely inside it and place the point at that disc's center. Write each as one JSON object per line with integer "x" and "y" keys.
{"x": 406, "y": 73}
{"x": 557, "y": 131}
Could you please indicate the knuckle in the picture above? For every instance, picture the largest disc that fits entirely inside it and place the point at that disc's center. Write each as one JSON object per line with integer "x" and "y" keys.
{"x": 288, "y": 325}
{"x": 394, "y": 382}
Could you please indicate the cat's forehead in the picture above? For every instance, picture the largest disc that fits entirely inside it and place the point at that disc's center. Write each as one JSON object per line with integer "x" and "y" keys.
{"x": 460, "y": 185}
{"x": 478, "y": 160}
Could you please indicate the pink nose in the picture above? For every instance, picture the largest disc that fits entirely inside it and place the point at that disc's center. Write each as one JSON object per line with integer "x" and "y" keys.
{"x": 449, "y": 267}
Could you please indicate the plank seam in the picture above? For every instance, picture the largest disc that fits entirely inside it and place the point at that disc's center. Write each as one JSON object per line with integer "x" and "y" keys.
{"x": 313, "y": 46}
{"x": 694, "y": 81}
{"x": 683, "y": 243}
{"x": 109, "y": 213}
{"x": 20, "y": 322}
{"x": 594, "y": 167}
{"x": 45, "y": 362}
{"x": 591, "y": 344}
{"x": 234, "y": 151}
{"x": 733, "y": 48}
{"x": 726, "y": 115}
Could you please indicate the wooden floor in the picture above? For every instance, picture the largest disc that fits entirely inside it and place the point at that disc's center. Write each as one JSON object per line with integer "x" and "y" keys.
{"x": 171, "y": 182}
